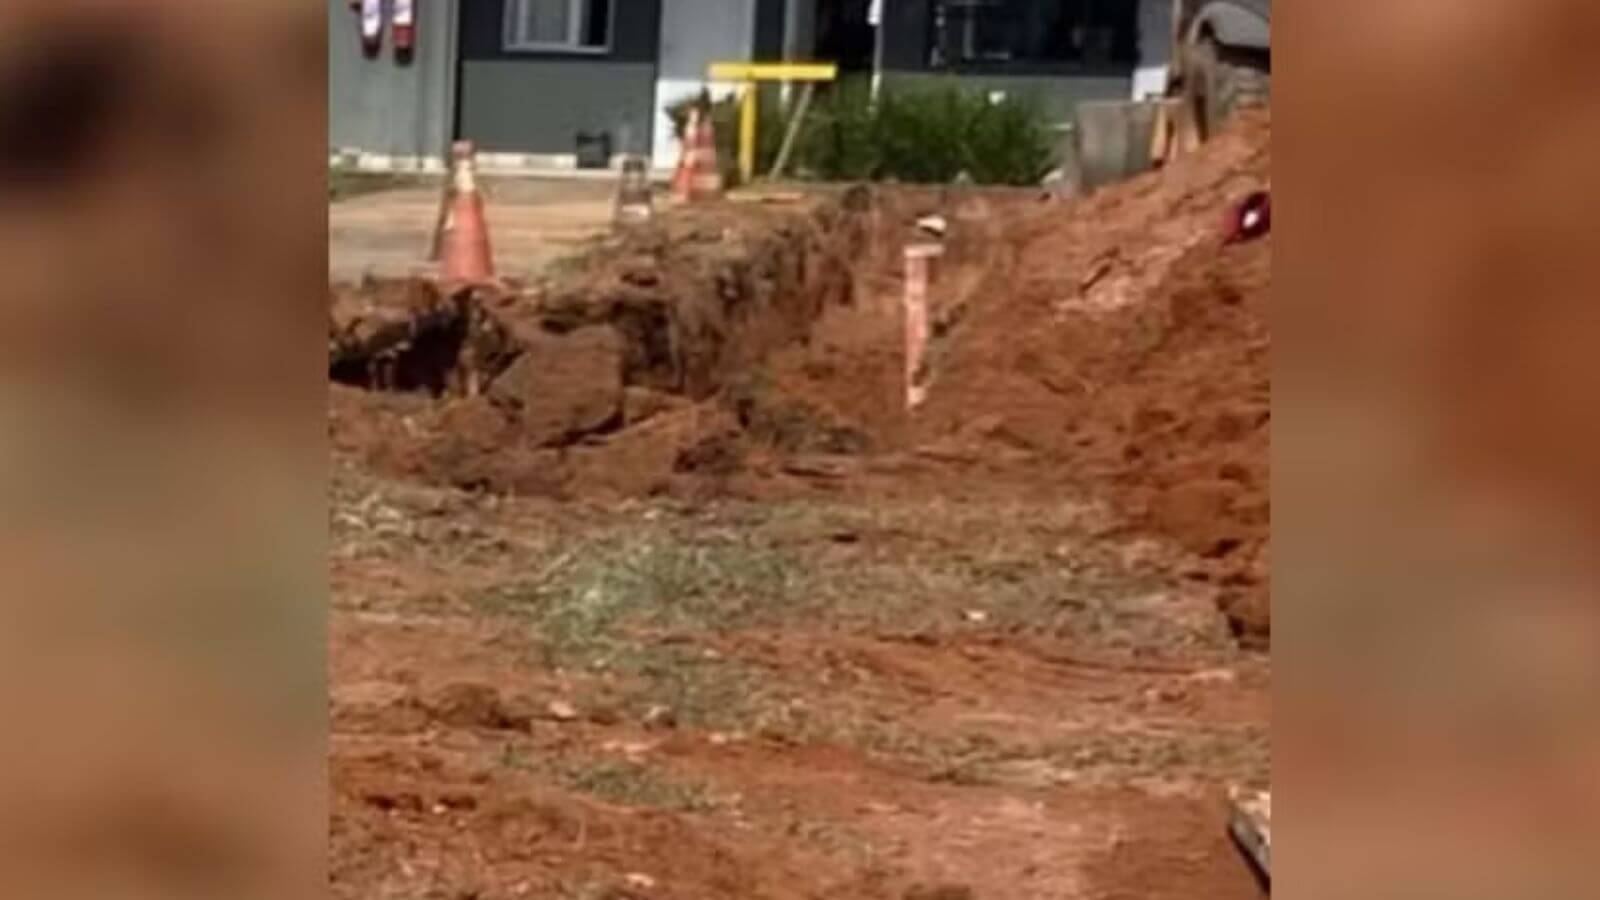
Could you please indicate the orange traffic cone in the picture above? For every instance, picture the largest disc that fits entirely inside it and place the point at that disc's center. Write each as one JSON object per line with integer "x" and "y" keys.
{"x": 682, "y": 182}
{"x": 465, "y": 237}
{"x": 705, "y": 179}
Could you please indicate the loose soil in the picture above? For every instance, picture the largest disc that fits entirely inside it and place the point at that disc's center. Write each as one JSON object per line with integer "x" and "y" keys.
{"x": 647, "y": 584}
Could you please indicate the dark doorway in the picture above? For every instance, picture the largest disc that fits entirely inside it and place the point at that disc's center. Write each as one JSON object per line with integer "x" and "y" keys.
{"x": 843, "y": 35}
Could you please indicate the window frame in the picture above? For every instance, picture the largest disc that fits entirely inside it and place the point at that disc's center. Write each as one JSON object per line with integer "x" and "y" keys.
{"x": 510, "y": 43}
{"x": 1034, "y": 66}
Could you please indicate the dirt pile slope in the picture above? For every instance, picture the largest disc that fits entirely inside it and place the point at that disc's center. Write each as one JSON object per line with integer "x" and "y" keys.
{"x": 1112, "y": 346}
{"x": 1130, "y": 355}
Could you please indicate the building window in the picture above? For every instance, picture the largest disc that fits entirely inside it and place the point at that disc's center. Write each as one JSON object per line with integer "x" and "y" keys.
{"x": 1078, "y": 33}
{"x": 571, "y": 26}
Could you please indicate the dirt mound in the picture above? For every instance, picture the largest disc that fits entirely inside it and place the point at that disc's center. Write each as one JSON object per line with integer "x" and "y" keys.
{"x": 1131, "y": 357}
{"x": 706, "y": 294}
{"x": 562, "y": 387}
{"x": 1110, "y": 344}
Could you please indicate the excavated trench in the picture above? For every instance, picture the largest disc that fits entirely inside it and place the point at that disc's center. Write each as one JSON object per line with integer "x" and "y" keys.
{"x": 647, "y": 349}
{"x": 1109, "y": 349}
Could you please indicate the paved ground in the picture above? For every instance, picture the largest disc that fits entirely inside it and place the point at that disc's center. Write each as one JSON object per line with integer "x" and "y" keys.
{"x": 531, "y": 221}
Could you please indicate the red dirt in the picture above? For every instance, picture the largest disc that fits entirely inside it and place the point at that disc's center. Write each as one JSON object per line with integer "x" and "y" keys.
{"x": 444, "y": 742}
{"x": 1113, "y": 345}
{"x": 971, "y": 652}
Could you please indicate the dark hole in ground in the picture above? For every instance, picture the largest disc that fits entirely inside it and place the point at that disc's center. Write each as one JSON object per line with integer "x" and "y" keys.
{"x": 426, "y": 363}
{"x": 651, "y": 358}
{"x": 1223, "y": 547}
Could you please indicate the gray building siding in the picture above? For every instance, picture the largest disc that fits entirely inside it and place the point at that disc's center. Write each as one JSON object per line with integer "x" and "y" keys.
{"x": 381, "y": 105}
{"x": 541, "y": 105}
{"x": 697, "y": 33}
{"x": 539, "y": 102}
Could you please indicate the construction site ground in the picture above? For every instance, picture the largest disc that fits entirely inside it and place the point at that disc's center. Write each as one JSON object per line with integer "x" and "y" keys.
{"x": 646, "y": 584}
{"x": 386, "y": 233}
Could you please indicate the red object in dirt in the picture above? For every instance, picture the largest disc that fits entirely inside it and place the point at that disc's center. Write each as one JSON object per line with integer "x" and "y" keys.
{"x": 1251, "y": 219}
{"x": 404, "y": 20}
{"x": 465, "y": 244}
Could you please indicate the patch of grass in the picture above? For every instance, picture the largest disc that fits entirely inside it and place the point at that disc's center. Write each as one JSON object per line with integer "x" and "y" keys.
{"x": 639, "y": 603}
{"x": 593, "y": 601}
{"x": 912, "y": 572}
{"x": 701, "y": 692}
{"x": 918, "y": 571}
{"x": 614, "y": 781}
{"x": 629, "y": 784}
{"x": 1119, "y": 757}
{"x": 650, "y": 599}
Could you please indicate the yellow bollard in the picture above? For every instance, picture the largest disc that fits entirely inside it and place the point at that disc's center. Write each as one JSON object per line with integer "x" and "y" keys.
{"x": 751, "y": 75}
{"x": 747, "y": 134}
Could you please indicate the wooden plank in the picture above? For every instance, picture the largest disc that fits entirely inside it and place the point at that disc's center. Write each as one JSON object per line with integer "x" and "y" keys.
{"x": 796, "y": 121}
{"x": 1164, "y": 138}
{"x": 1250, "y": 823}
{"x": 441, "y": 221}
{"x": 764, "y": 196}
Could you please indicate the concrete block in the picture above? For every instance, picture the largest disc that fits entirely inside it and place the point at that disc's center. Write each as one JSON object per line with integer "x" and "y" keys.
{"x": 1113, "y": 140}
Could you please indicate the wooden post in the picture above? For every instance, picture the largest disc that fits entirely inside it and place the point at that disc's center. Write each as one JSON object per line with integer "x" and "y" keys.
{"x": 442, "y": 220}
{"x": 796, "y": 122}
{"x": 918, "y": 264}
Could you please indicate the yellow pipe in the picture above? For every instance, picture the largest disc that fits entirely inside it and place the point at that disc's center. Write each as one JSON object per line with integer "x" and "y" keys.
{"x": 750, "y": 74}
{"x": 747, "y": 134}
{"x": 735, "y": 71}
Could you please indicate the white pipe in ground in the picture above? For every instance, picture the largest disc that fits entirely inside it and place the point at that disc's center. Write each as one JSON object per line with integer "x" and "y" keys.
{"x": 919, "y": 258}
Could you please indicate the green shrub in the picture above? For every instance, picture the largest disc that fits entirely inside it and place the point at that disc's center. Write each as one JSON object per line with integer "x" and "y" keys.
{"x": 925, "y": 135}
{"x": 1011, "y": 143}
{"x": 839, "y": 142}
